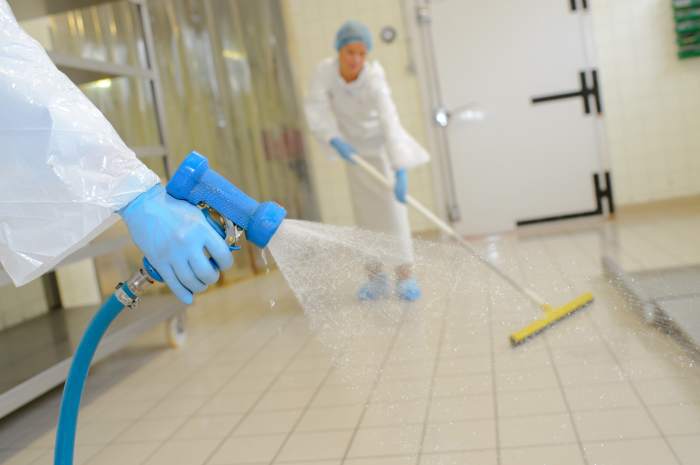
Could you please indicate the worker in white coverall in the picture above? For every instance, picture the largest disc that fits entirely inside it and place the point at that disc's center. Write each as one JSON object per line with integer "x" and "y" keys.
{"x": 66, "y": 175}
{"x": 350, "y": 109}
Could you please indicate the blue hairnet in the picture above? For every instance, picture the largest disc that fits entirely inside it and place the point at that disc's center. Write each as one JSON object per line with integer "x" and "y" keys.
{"x": 353, "y": 31}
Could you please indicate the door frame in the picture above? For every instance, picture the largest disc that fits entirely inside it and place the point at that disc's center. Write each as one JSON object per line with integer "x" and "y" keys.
{"x": 422, "y": 60}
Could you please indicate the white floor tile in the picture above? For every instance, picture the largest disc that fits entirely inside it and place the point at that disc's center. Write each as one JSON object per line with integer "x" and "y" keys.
{"x": 687, "y": 448}
{"x": 536, "y": 431}
{"x": 459, "y": 436}
{"x": 677, "y": 419}
{"x": 149, "y": 430}
{"x": 455, "y": 386}
{"x": 247, "y": 449}
{"x": 316, "y": 446}
{"x": 546, "y": 455}
{"x": 637, "y": 452}
{"x": 601, "y": 396}
{"x": 331, "y": 418}
{"x": 285, "y": 400}
{"x": 395, "y": 413}
{"x": 192, "y": 452}
{"x": 615, "y": 424}
{"x": 119, "y": 454}
{"x": 207, "y": 427}
{"x": 536, "y": 402}
{"x": 397, "y": 440}
{"x": 451, "y": 409}
{"x": 461, "y": 458}
{"x": 526, "y": 380}
{"x": 260, "y": 423}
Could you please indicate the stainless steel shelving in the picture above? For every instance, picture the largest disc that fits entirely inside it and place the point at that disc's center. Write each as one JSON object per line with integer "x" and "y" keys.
{"x": 35, "y": 354}
{"x": 666, "y": 297}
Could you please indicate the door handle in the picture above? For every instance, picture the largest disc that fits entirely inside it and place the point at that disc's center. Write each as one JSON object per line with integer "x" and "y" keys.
{"x": 464, "y": 113}
{"x": 585, "y": 92}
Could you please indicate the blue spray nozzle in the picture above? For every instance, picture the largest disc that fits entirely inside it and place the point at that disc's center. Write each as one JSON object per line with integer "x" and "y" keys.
{"x": 195, "y": 182}
{"x": 198, "y": 184}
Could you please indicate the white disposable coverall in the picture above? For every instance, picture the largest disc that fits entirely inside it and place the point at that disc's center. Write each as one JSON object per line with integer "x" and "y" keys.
{"x": 65, "y": 171}
{"x": 363, "y": 113}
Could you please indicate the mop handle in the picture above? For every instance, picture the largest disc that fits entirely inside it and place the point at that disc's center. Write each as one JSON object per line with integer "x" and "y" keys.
{"x": 444, "y": 227}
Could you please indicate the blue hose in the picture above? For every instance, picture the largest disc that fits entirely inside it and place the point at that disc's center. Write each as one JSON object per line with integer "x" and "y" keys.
{"x": 197, "y": 184}
{"x": 73, "y": 389}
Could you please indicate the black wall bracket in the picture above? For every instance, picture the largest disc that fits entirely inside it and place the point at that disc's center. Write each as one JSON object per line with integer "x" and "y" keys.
{"x": 601, "y": 194}
{"x": 585, "y": 93}
{"x": 574, "y": 4}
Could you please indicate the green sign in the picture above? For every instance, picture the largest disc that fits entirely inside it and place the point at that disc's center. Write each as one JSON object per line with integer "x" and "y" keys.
{"x": 686, "y": 14}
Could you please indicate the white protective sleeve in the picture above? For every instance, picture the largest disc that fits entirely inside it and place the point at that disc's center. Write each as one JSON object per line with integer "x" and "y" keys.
{"x": 65, "y": 170}
{"x": 317, "y": 106}
{"x": 403, "y": 150}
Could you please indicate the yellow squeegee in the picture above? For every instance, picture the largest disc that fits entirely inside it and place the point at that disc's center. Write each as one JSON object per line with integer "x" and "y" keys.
{"x": 551, "y": 314}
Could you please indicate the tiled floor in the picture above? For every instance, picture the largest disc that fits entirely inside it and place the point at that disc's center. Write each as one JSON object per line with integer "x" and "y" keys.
{"x": 437, "y": 385}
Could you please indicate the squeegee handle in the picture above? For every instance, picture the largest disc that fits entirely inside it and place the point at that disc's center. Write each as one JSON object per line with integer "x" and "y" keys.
{"x": 447, "y": 229}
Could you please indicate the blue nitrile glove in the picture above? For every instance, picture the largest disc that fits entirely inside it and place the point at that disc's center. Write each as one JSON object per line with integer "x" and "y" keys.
{"x": 344, "y": 149}
{"x": 401, "y": 186}
{"x": 173, "y": 235}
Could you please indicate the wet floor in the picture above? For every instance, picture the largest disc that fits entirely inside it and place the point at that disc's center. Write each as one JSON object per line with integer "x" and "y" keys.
{"x": 435, "y": 382}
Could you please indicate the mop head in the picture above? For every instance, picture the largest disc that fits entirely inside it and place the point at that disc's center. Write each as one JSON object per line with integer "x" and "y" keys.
{"x": 551, "y": 316}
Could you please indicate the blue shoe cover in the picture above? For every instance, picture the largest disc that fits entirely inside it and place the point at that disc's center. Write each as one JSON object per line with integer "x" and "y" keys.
{"x": 408, "y": 290}
{"x": 376, "y": 288}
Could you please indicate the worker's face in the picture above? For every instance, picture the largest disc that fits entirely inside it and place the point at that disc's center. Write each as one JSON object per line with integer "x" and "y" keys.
{"x": 352, "y": 59}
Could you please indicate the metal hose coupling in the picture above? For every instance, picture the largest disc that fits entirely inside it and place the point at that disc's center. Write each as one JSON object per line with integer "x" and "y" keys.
{"x": 128, "y": 292}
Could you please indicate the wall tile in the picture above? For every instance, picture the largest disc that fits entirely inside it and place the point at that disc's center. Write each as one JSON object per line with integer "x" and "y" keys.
{"x": 652, "y": 101}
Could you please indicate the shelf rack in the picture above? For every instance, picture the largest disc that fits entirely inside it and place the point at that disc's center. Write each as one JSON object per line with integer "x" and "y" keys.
{"x": 35, "y": 354}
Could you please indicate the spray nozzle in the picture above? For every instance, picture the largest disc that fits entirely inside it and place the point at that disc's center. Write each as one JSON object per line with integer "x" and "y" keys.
{"x": 195, "y": 182}
{"x": 228, "y": 210}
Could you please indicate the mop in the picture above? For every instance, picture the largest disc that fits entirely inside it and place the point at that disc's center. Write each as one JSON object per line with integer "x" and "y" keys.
{"x": 551, "y": 314}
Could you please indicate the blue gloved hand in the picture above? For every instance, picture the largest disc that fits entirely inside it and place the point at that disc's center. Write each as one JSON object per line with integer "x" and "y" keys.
{"x": 344, "y": 149}
{"x": 173, "y": 235}
{"x": 401, "y": 186}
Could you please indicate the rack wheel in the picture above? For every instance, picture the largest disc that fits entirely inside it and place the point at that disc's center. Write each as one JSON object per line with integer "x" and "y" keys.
{"x": 176, "y": 330}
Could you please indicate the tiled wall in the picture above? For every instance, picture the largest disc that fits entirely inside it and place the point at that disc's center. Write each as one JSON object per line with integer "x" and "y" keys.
{"x": 20, "y": 304}
{"x": 652, "y": 101}
{"x": 311, "y": 27}
{"x": 78, "y": 284}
